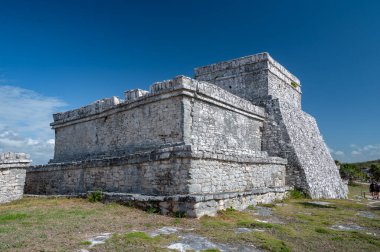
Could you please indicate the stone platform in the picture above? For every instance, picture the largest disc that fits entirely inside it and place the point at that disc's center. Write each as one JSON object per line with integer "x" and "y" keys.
{"x": 174, "y": 179}
{"x": 197, "y": 205}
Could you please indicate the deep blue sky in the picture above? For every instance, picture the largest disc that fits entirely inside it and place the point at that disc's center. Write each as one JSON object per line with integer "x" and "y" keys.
{"x": 80, "y": 51}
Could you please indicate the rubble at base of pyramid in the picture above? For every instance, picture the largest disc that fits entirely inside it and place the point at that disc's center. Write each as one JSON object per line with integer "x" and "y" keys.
{"x": 232, "y": 137}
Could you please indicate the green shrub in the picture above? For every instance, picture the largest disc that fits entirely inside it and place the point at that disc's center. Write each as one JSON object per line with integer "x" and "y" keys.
{"x": 297, "y": 194}
{"x": 294, "y": 84}
{"x": 180, "y": 214}
{"x": 152, "y": 210}
{"x": 351, "y": 172}
{"x": 95, "y": 196}
{"x": 375, "y": 171}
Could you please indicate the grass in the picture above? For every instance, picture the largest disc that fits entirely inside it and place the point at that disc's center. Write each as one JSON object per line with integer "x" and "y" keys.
{"x": 11, "y": 216}
{"x": 251, "y": 207}
{"x": 36, "y": 224}
{"x": 309, "y": 204}
{"x": 87, "y": 243}
{"x": 136, "y": 241}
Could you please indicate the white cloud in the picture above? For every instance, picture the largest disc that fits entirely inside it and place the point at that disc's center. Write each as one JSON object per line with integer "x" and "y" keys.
{"x": 24, "y": 122}
{"x": 367, "y": 152}
{"x": 355, "y": 152}
{"x": 335, "y": 153}
{"x": 51, "y": 141}
{"x": 339, "y": 153}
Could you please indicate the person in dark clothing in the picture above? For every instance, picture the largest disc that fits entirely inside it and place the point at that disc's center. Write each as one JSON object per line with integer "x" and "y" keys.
{"x": 377, "y": 189}
{"x": 372, "y": 189}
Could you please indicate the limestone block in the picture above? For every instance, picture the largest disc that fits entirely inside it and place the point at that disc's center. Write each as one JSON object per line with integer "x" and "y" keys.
{"x": 12, "y": 175}
{"x": 134, "y": 94}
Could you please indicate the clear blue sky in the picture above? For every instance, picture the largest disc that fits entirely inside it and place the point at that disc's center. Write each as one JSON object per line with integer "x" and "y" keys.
{"x": 59, "y": 55}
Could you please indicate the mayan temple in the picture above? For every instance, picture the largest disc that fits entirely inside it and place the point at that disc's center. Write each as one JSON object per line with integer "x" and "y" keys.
{"x": 233, "y": 136}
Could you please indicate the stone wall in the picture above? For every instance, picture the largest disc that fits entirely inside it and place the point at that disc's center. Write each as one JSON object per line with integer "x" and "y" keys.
{"x": 253, "y": 77}
{"x": 170, "y": 171}
{"x": 12, "y": 175}
{"x": 322, "y": 179}
{"x": 176, "y": 112}
{"x": 288, "y": 132}
{"x": 175, "y": 179}
{"x": 218, "y": 176}
{"x": 143, "y": 127}
{"x": 200, "y": 205}
{"x": 152, "y": 173}
{"x": 215, "y": 128}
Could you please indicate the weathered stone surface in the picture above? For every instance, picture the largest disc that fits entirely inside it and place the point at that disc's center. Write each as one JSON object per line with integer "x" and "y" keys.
{"x": 288, "y": 132}
{"x": 192, "y": 242}
{"x": 12, "y": 175}
{"x": 185, "y": 111}
{"x": 367, "y": 214}
{"x": 346, "y": 227}
{"x": 99, "y": 239}
{"x": 177, "y": 171}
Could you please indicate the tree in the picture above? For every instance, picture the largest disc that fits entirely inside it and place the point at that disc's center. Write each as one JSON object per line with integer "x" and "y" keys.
{"x": 375, "y": 171}
{"x": 351, "y": 172}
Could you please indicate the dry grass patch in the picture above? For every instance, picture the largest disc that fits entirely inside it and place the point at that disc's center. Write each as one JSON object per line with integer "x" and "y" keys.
{"x": 36, "y": 224}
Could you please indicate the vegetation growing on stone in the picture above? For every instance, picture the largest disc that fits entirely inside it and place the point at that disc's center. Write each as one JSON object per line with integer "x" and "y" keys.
{"x": 297, "y": 194}
{"x": 95, "y": 196}
{"x": 294, "y": 84}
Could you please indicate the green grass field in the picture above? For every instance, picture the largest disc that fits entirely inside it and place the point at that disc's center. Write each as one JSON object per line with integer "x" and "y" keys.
{"x": 37, "y": 224}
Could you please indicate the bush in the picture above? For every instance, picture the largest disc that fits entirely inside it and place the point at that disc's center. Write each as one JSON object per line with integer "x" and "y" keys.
{"x": 297, "y": 194}
{"x": 180, "y": 214}
{"x": 152, "y": 210}
{"x": 95, "y": 196}
{"x": 375, "y": 171}
{"x": 351, "y": 172}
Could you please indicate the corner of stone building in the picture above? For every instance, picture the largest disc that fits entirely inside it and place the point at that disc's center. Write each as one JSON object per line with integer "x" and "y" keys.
{"x": 265, "y": 82}
{"x": 12, "y": 175}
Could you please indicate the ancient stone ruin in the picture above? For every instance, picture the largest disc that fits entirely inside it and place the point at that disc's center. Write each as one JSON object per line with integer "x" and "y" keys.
{"x": 12, "y": 175}
{"x": 233, "y": 136}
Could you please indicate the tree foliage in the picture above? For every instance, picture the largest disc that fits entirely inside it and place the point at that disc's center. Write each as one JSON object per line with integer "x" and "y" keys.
{"x": 351, "y": 172}
{"x": 375, "y": 171}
